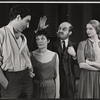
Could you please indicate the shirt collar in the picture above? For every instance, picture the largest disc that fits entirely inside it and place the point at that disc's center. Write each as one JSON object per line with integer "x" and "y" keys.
{"x": 66, "y": 40}
{"x": 11, "y": 29}
{"x": 93, "y": 41}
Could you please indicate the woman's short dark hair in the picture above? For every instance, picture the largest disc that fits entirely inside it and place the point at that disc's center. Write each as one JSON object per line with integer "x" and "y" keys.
{"x": 43, "y": 32}
{"x": 19, "y": 10}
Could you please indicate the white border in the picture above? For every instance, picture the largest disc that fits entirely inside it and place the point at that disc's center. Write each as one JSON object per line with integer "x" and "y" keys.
{"x": 49, "y": 2}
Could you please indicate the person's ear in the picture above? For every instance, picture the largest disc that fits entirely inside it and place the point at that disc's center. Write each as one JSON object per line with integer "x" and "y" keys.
{"x": 48, "y": 41}
{"x": 70, "y": 32}
{"x": 18, "y": 17}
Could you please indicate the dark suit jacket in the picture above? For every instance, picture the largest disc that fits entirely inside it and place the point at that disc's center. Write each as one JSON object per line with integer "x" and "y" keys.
{"x": 56, "y": 47}
{"x": 67, "y": 62}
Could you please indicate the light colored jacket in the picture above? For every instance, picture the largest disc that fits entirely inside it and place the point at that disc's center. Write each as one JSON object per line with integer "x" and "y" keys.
{"x": 14, "y": 58}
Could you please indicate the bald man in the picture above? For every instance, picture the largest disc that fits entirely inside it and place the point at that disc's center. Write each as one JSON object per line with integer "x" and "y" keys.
{"x": 65, "y": 49}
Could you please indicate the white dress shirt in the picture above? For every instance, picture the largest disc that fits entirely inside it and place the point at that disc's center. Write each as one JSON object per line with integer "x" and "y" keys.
{"x": 66, "y": 43}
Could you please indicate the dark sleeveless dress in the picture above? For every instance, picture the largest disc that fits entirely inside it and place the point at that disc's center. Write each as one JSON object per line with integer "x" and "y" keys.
{"x": 44, "y": 84}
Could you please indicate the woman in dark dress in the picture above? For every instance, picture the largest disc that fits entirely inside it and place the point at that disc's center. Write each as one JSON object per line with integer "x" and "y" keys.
{"x": 88, "y": 54}
{"x": 46, "y": 68}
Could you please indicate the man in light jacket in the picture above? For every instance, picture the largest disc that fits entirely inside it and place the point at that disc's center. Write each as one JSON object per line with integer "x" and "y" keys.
{"x": 16, "y": 69}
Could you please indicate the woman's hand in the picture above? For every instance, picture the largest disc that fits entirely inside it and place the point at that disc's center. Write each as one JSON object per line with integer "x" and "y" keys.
{"x": 31, "y": 73}
{"x": 93, "y": 63}
{"x": 89, "y": 62}
{"x": 42, "y": 23}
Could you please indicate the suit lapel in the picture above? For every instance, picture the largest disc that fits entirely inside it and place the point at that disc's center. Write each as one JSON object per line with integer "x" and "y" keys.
{"x": 59, "y": 47}
{"x": 69, "y": 44}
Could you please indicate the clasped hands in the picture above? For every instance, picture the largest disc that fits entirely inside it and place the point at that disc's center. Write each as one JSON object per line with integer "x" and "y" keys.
{"x": 89, "y": 62}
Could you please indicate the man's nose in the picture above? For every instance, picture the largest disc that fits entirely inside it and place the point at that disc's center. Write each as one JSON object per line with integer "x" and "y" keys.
{"x": 60, "y": 30}
{"x": 39, "y": 40}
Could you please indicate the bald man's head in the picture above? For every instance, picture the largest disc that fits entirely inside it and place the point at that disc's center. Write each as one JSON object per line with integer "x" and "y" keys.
{"x": 64, "y": 30}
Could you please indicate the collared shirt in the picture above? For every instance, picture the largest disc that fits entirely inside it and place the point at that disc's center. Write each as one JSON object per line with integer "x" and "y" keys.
{"x": 19, "y": 40}
{"x": 15, "y": 52}
{"x": 66, "y": 42}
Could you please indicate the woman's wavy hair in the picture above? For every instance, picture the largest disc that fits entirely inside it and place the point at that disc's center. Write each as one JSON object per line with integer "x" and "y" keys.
{"x": 96, "y": 25}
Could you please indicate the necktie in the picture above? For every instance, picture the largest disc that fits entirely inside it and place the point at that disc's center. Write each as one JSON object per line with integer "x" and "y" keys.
{"x": 63, "y": 46}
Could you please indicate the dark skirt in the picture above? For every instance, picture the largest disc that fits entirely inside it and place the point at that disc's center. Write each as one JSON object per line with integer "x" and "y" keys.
{"x": 89, "y": 84}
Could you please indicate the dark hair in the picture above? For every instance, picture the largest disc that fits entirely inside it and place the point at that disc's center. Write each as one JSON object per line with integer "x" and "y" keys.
{"x": 18, "y": 10}
{"x": 43, "y": 32}
{"x": 96, "y": 25}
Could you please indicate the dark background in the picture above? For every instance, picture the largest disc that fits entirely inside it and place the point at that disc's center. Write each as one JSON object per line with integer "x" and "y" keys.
{"x": 78, "y": 14}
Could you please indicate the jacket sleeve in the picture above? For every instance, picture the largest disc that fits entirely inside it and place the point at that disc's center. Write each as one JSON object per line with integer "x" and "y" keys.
{"x": 80, "y": 52}
{"x": 3, "y": 79}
